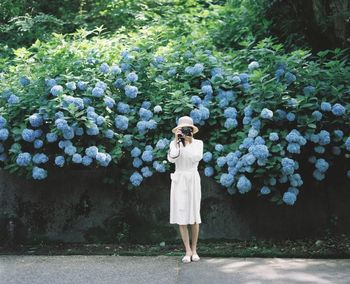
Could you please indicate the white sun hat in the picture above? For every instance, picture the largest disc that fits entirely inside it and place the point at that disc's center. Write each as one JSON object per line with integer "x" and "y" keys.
{"x": 185, "y": 121}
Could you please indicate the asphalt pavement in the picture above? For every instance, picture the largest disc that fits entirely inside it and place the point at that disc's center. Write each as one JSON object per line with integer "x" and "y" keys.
{"x": 168, "y": 269}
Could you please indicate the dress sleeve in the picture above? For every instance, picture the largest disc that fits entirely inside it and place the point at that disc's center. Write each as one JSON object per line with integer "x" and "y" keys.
{"x": 197, "y": 153}
{"x": 173, "y": 152}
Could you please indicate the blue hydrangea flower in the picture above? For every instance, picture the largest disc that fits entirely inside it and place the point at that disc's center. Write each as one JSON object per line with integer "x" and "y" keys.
{"x": 265, "y": 190}
{"x": 196, "y": 100}
{"x": 219, "y": 147}
{"x": 27, "y": 135}
{"x": 319, "y": 149}
{"x": 294, "y": 136}
{"x": 38, "y": 143}
{"x": 39, "y": 173}
{"x": 71, "y": 86}
{"x": 347, "y": 144}
{"x": 221, "y": 161}
{"x": 230, "y": 112}
{"x": 318, "y": 175}
{"x": 24, "y": 81}
{"x": 64, "y": 143}
{"x": 3, "y": 121}
{"x": 56, "y": 90}
{"x": 338, "y": 133}
{"x": 259, "y": 151}
{"x": 253, "y": 132}
{"x": 279, "y": 72}
{"x": 293, "y": 190}
{"x": 79, "y": 131}
{"x": 137, "y": 162}
{"x": 290, "y": 116}
{"x": 338, "y": 109}
{"x": 293, "y": 148}
{"x": 23, "y": 159}
{"x": 273, "y": 136}
{"x": 208, "y": 171}
{"x": 322, "y": 165}
{"x": 70, "y": 150}
{"x": 104, "y": 68}
{"x": 194, "y": 70}
{"x": 119, "y": 83}
{"x": 132, "y": 77}
{"x": 230, "y": 123}
{"x": 147, "y": 156}
{"x": 207, "y": 157}
{"x": 244, "y": 185}
{"x": 59, "y": 161}
{"x": 317, "y": 115}
{"x": 226, "y": 179}
{"x": 13, "y": 99}
{"x": 162, "y": 144}
{"x": 131, "y": 91}
{"x": 290, "y": 77}
{"x": 289, "y": 198}
{"x": 40, "y": 158}
{"x": 135, "y": 152}
{"x": 324, "y": 137}
{"x": 4, "y": 134}
{"x": 172, "y": 71}
{"x": 325, "y": 106}
{"x": 78, "y": 102}
{"x": 115, "y": 70}
{"x": 35, "y": 120}
{"x": 123, "y": 108}
{"x": 121, "y": 122}
{"x": 295, "y": 180}
{"x": 82, "y": 85}
{"x": 145, "y": 114}
{"x": 248, "y": 110}
{"x": 61, "y": 124}
{"x": 309, "y": 90}
{"x": 272, "y": 181}
{"x": 103, "y": 159}
{"x": 91, "y": 151}
{"x": 288, "y": 166}
{"x": 77, "y": 158}
{"x": 207, "y": 89}
{"x": 97, "y": 92}
{"x": 86, "y": 160}
{"x": 136, "y": 179}
{"x": 49, "y": 82}
{"x": 68, "y": 133}
{"x": 109, "y": 133}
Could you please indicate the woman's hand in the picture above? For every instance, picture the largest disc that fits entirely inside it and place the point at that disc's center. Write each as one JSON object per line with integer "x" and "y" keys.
{"x": 178, "y": 131}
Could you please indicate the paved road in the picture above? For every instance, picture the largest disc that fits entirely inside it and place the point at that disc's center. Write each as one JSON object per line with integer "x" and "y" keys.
{"x": 169, "y": 269}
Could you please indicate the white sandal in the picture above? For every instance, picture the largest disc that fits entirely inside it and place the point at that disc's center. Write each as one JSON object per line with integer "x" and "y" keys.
{"x": 195, "y": 257}
{"x": 186, "y": 259}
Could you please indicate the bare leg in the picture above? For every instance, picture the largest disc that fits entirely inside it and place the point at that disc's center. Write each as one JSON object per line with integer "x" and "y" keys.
{"x": 185, "y": 238}
{"x": 195, "y": 233}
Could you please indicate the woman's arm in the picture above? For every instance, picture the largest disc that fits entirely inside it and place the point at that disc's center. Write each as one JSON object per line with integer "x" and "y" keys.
{"x": 197, "y": 153}
{"x": 173, "y": 152}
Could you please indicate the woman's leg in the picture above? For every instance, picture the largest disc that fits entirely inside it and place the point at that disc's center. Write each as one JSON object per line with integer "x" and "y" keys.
{"x": 185, "y": 238}
{"x": 195, "y": 233}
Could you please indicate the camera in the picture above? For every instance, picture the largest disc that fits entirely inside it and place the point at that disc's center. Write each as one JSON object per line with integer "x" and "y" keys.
{"x": 186, "y": 130}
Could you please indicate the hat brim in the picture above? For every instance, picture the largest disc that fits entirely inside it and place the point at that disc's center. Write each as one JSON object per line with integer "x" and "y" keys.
{"x": 195, "y": 128}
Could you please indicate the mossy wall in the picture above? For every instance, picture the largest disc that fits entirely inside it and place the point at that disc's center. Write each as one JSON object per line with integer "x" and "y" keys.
{"x": 77, "y": 207}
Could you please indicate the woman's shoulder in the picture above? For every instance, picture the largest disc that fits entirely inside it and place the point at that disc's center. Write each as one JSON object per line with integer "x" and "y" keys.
{"x": 198, "y": 141}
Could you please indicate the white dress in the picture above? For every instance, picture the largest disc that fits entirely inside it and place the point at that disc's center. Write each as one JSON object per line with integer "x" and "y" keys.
{"x": 185, "y": 191}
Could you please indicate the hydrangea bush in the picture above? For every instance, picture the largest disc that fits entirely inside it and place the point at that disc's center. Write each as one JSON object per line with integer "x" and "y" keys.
{"x": 94, "y": 102}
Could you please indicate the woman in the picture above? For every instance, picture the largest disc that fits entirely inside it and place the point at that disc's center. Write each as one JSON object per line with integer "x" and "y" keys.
{"x": 185, "y": 193}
